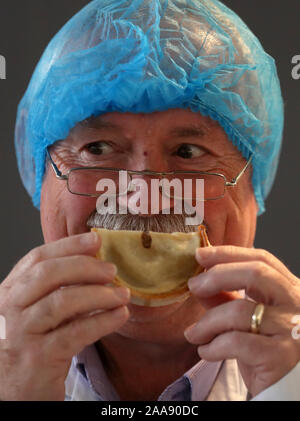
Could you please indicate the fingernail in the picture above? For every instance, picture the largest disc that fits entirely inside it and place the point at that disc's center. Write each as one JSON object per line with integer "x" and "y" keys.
{"x": 109, "y": 269}
{"x": 89, "y": 238}
{"x": 202, "y": 252}
{"x": 123, "y": 292}
{"x": 189, "y": 332}
{"x": 195, "y": 281}
{"x": 120, "y": 312}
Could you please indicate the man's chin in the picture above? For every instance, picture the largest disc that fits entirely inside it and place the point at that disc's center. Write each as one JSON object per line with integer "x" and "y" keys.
{"x": 161, "y": 325}
{"x": 145, "y": 314}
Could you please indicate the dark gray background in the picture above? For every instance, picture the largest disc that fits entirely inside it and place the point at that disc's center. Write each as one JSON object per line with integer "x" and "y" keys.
{"x": 27, "y": 26}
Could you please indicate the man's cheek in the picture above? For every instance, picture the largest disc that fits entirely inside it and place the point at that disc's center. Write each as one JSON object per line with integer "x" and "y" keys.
{"x": 77, "y": 210}
{"x": 62, "y": 213}
{"x": 50, "y": 210}
{"x": 215, "y": 220}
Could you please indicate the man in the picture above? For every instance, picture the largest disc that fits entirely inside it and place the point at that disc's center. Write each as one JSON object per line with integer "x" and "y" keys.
{"x": 158, "y": 86}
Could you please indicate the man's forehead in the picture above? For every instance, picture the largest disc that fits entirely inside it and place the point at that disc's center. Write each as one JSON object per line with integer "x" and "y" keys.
{"x": 174, "y": 121}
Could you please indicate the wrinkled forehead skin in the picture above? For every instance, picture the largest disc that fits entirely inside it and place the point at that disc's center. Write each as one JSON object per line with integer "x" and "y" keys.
{"x": 145, "y": 56}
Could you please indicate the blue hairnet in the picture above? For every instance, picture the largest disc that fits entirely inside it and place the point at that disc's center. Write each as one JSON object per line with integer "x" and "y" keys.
{"x": 153, "y": 55}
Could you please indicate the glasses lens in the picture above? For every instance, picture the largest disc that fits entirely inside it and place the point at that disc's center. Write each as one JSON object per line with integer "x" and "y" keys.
{"x": 95, "y": 182}
{"x": 189, "y": 186}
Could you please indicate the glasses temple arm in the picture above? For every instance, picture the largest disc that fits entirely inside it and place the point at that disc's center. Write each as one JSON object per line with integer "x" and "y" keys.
{"x": 58, "y": 173}
{"x": 234, "y": 181}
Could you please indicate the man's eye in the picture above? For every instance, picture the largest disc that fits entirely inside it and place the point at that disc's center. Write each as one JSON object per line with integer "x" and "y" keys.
{"x": 99, "y": 148}
{"x": 188, "y": 151}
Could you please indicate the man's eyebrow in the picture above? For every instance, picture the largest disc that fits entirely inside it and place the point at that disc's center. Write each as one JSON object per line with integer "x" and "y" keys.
{"x": 97, "y": 124}
{"x": 188, "y": 131}
{"x": 181, "y": 131}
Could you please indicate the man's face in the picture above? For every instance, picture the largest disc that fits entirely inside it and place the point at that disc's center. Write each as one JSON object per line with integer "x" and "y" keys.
{"x": 162, "y": 141}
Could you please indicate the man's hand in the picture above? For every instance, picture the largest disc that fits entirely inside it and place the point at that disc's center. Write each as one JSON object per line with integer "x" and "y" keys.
{"x": 224, "y": 330}
{"x": 46, "y": 301}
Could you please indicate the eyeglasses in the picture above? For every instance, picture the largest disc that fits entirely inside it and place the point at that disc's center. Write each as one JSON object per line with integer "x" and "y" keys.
{"x": 86, "y": 181}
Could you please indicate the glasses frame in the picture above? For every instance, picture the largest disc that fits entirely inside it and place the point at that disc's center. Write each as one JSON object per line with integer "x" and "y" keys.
{"x": 65, "y": 177}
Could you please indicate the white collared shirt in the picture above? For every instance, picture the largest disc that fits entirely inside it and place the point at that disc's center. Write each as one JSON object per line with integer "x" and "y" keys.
{"x": 206, "y": 381}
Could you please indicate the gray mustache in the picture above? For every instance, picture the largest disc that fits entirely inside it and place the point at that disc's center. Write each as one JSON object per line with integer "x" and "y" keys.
{"x": 156, "y": 223}
{"x": 161, "y": 222}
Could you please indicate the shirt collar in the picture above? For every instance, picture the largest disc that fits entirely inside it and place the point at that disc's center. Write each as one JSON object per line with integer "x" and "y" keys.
{"x": 89, "y": 363}
{"x": 194, "y": 385}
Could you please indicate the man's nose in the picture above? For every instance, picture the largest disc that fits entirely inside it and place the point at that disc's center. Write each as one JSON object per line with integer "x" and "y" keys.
{"x": 145, "y": 196}
{"x": 148, "y": 155}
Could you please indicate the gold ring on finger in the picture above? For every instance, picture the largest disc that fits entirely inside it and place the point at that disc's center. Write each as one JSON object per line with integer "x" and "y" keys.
{"x": 256, "y": 318}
